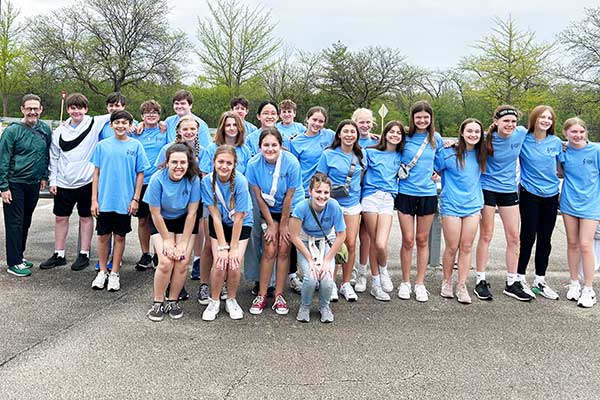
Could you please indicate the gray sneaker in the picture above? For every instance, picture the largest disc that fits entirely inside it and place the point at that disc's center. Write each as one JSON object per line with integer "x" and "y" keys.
{"x": 303, "y": 313}
{"x": 174, "y": 310}
{"x": 156, "y": 313}
{"x": 326, "y": 314}
{"x": 204, "y": 295}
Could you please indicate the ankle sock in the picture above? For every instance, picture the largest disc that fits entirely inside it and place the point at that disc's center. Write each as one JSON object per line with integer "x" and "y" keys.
{"x": 480, "y": 276}
{"x": 61, "y": 253}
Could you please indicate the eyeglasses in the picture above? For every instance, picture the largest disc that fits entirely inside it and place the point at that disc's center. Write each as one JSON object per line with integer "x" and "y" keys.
{"x": 151, "y": 113}
{"x": 31, "y": 109}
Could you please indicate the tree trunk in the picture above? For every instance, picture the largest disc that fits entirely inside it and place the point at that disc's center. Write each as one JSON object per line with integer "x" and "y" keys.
{"x": 4, "y": 104}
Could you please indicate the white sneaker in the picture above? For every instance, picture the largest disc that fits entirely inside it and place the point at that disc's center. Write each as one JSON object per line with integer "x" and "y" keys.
{"x": 334, "y": 294}
{"x": 386, "y": 282}
{"x": 542, "y": 289}
{"x": 361, "y": 282}
{"x": 574, "y": 292}
{"x": 348, "y": 293}
{"x": 114, "y": 283}
{"x": 379, "y": 294}
{"x": 587, "y": 298}
{"x": 296, "y": 284}
{"x": 527, "y": 289}
{"x": 234, "y": 309}
{"x": 211, "y": 311}
{"x": 353, "y": 276}
{"x": 404, "y": 291}
{"x": 100, "y": 280}
{"x": 421, "y": 294}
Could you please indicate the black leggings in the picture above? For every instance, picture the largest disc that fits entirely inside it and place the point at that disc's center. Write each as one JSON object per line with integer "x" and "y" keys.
{"x": 538, "y": 217}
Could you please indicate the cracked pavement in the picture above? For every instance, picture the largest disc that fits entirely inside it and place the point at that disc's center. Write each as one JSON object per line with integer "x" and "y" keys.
{"x": 62, "y": 340}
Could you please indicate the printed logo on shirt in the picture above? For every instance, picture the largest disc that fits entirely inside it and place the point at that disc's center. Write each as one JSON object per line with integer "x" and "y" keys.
{"x": 587, "y": 161}
{"x": 131, "y": 153}
{"x": 185, "y": 192}
{"x": 515, "y": 146}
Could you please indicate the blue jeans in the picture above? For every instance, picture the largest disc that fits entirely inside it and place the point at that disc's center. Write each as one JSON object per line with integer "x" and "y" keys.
{"x": 309, "y": 283}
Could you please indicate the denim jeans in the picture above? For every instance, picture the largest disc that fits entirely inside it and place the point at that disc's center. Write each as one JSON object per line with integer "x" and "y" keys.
{"x": 309, "y": 283}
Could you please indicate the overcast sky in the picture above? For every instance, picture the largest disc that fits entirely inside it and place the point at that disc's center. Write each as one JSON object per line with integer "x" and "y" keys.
{"x": 432, "y": 34}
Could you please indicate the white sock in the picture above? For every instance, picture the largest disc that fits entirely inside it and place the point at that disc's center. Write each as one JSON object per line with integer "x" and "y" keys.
{"x": 480, "y": 276}
{"x": 588, "y": 289}
{"x": 511, "y": 278}
{"x": 196, "y": 258}
{"x": 61, "y": 253}
{"x": 376, "y": 280}
{"x": 575, "y": 282}
{"x": 85, "y": 252}
{"x": 383, "y": 269}
{"x": 539, "y": 280}
{"x": 520, "y": 278}
{"x": 363, "y": 268}
{"x": 292, "y": 275}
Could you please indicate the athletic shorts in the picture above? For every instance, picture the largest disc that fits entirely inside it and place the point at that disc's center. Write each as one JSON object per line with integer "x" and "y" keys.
{"x": 416, "y": 205}
{"x": 65, "y": 200}
{"x": 143, "y": 207}
{"x": 494, "y": 199}
{"x": 175, "y": 225}
{"x": 352, "y": 210}
{"x": 112, "y": 222}
{"x": 379, "y": 203}
{"x": 244, "y": 234}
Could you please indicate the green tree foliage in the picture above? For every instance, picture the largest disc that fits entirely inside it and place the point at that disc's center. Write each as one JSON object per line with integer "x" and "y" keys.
{"x": 14, "y": 64}
{"x": 108, "y": 45}
{"x": 237, "y": 42}
{"x": 511, "y": 68}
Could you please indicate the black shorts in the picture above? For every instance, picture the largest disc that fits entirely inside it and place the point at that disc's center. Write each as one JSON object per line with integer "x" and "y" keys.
{"x": 143, "y": 207}
{"x": 416, "y": 205}
{"x": 65, "y": 200}
{"x": 276, "y": 217}
{"x": 112, "y": 222}
{"x": 244, "y": 234}
{"x": 175, "y": 225}
{"x": 494, "y": 199}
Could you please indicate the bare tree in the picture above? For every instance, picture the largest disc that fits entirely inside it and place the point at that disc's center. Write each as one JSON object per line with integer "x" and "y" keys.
{"x": 106, "y": 43}
{"x": 582, "y": 41}
{"x": 13, "y": 60}
{"x": 365, "y": 75}
{"x": 237, "y": 43}
{"x": 292, "y": 76}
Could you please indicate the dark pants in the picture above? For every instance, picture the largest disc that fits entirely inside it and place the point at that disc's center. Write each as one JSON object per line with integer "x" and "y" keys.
{"x": 538, "y": 217}
{"x": 17, "y": 219}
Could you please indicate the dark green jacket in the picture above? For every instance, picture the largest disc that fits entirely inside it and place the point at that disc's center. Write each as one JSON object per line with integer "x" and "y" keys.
{"x": 24, "y": 154}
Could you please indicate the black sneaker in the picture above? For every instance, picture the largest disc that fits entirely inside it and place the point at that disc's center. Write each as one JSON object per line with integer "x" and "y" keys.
{"x": 54, "y": 261}
{"x": 174, "y": 310}
{"x": 81, "y": 262}
{"x": 482, "y": 291}
{"x": 516, "y": 291}
{"x": 203, "y": 295}
{"x": 256, "y": 288}
{"x": 144, "y": 263}
{"x": 156, "y": 313}
{"x": 155, "y": 260}
{"x": 183, "y": 295}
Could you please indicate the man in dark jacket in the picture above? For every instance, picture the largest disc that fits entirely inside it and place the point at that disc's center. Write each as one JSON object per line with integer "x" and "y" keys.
{"x": 24, "y": 156}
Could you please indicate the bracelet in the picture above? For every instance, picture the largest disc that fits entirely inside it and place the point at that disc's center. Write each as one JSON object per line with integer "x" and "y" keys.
{"x": 226, "y": 247}
{"x": 136, "y": 200}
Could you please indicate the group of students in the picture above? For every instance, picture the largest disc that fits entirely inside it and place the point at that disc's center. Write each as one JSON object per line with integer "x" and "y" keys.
{"x": 287, "y": 195}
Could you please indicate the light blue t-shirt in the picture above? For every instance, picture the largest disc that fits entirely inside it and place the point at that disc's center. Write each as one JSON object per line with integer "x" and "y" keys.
{"x": 173, "y": 197}
{"x": 419, "y": 181}
{"x": 153, "y": 141}
{"x": 243, "y": 156}
{"x": 253, "y": 138}
{"x": 241, "y": 195}
{"x": 368, "y": 141}
{"x": 336, "y": 164}
{"x": 204, "y": 137}
{"x": 538, "y": 165}
{"x": 580, "y": 194}
{"x": 331, "y": 217}
{"x": 290, "y": 131}
{"x": 308, "y": 150}
{"x": 260, "y": 174}
{"x": 461, "y": 194}
{"x": 119, "y": 163}
{"x": 249, "y": 127}
{"x": 501, "y": 170}
{"x": 382, "y": 172}
{"x": 202, "y": 156}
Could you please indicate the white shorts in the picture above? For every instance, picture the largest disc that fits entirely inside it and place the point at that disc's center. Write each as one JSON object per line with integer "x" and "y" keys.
{"x": 379, "y": 203}
{"x": 352, "y": 210}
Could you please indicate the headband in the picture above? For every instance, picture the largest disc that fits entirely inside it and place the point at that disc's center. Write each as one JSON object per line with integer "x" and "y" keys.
{"x": 505, "y": 112}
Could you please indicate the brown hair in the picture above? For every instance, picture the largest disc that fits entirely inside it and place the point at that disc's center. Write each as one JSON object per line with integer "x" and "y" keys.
{"x": 314, "y": 110}
{"x": 318, "y": 179}
{"x": 192, "y": 169}
{"x": 183, "y": 94}
{"x": 288, "y": 104}
{"x": 337, "y": 140}
{"x": 225, "y": 149}
{"x": 462, "y": 146}
{"x": 535, "y": 114}
{"x": 270, "y": 130}
{"x": 493, "y": 126}
{"x": 418, "y": 107}
{"x": 150, "y": 105}
{"x": 382, "y": 145}
{"x": 179, "y": 138}
{"x": 29, "y": 97}
{"x": 220, "y": 134}
{"x": 574, "y": 121}
{"x": 77, "y": 100}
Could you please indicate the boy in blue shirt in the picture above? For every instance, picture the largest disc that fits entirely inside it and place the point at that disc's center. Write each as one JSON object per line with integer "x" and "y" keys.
{"x": 240, "y": 106}
{"x": 288, "y": 128}
{"x": 182, "y": 105}
{"x": 116, "y": 188}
